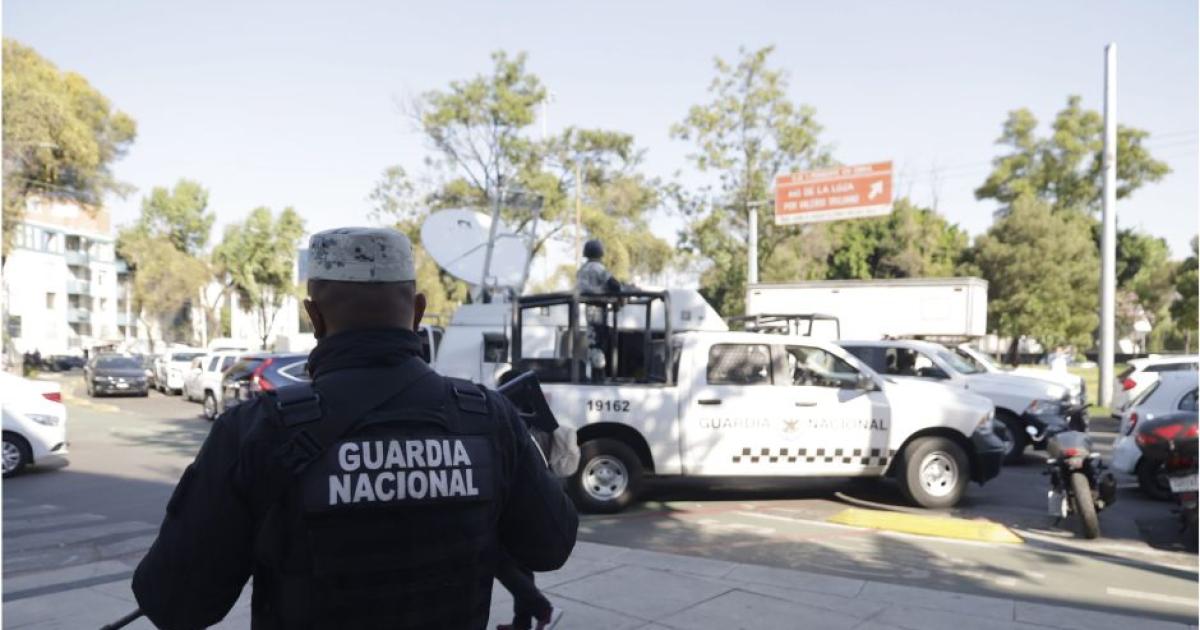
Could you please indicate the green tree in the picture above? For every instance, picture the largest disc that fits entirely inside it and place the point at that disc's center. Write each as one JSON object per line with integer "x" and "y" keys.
{"x": 479, "y": 129}
{"x": 746, "y": 134}
{"x": 1043, "y": 275}
{"x": 911, "y": 242}
{"x": 1064, "y": 169}
{"x": 1184, "y": 307}
{"x": 1145, "y": 276}
{"x": 61, "y": 136}
{"x": 395, "y": 198}
{"x": 180, "y": 215}
{"x": 165, "y": 246}
{"x": 616, "y": 199}
{"x": 259, "y": 255}
{"x": 165, "y": 280}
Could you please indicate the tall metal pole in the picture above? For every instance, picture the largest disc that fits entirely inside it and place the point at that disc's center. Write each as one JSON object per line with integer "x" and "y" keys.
{"x": 752, "y": 246}
{"x": 578, "y": 211}
{"x": 1108, "y": 240}
{"x": 491, "y": 244}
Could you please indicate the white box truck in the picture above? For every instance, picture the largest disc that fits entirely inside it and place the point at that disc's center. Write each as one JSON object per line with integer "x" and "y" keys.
{"x": 874, "y": 309}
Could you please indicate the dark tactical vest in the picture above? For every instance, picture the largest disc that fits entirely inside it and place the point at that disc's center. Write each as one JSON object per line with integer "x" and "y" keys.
{"x": 386, "y": 520}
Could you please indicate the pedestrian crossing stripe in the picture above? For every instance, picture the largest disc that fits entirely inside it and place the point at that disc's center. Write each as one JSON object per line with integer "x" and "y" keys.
{"x": 770, "y": 455}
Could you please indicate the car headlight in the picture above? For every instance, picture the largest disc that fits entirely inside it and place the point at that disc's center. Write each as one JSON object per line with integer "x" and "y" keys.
{"x": 1040, "y": 407}
{"x": 985, "y": 423}
{"x": 43, "y": 419}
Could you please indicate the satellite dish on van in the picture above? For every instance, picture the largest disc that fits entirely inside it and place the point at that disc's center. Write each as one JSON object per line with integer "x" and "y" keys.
{"x": 457, "y": 240}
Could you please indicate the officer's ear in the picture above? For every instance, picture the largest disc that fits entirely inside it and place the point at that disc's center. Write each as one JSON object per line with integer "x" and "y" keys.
{"x": 314, "y": 315}
{"x": 419, "y": 304}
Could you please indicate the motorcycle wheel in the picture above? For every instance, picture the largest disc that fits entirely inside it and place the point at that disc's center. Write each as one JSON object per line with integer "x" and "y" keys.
{"x": 1085, "y": 507}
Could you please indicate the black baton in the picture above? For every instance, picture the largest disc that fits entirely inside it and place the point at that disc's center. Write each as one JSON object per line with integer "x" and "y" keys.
{"x": 123, "y": 621}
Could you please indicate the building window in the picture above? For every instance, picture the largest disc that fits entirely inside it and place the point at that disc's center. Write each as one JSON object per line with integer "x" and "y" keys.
{"x": 50, "y": 301}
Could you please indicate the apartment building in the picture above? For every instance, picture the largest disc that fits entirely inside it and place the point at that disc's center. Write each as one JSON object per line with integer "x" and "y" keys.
{"x": 64, "y": 289}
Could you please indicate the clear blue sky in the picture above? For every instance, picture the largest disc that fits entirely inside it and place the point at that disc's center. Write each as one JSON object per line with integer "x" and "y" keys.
{"x": 294, "y": 103}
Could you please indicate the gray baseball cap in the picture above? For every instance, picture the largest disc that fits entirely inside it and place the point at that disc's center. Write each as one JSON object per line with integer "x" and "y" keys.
{"x": 360, "y": 254}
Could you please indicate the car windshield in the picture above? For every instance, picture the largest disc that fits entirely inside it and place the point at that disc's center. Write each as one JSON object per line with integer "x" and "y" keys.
{"x": 957, "y": 363}
{"x": 118, "y": 363}
{"x": 976, "y": 359}
{"x": 185, "y": 356}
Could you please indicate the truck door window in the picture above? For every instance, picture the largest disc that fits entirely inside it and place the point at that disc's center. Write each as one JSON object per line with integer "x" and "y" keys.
{"x": 739, "y": 364}
{"x": 817, "y": 367}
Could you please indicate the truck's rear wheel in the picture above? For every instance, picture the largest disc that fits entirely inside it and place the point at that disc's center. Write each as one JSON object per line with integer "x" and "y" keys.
{"x": 933, "y": 472}
{"x": 1013, "y": 435}
{"x": 608, "y": 478}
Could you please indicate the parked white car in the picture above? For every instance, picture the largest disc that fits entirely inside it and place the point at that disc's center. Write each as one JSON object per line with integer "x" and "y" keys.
{"x": 1073, "y": 382}
{"x": 203, "y": 381}
{"x": 172, "y": 367}
{"x": 1141, "y": 373}
{"x": 1170, "y": 392}
{"x": 34, "y": 423}
{"x": 1020, "y": 401}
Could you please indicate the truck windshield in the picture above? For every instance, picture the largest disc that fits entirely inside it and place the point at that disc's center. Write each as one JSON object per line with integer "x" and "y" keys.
{"x": 957, "y": 363}
{"x": 975, "y": 358}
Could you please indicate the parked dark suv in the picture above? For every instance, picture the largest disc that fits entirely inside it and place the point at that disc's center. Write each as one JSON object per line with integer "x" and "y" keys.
{"x": 115, "y": 374}
{"x": 256, "y": 373}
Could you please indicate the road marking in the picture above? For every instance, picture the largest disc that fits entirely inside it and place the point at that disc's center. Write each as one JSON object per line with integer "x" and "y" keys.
{"x": 1190, "y": 602}
{"x": 64, "y": 537}
{"x": 935, "y": 526}
{"x": 41, "y": 523}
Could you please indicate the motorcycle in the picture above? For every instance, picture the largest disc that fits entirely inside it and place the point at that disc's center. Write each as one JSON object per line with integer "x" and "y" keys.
{"x": 1171, "y": 440}
{"x": 1079, "y": 484}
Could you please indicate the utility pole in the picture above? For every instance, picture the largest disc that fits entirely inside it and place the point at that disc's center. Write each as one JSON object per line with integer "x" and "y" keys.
{"x": 752, "y": 248}
{"x": 491, "y": 244}
{"x": 578, "y": 211}
{"x": 1108, "y": 240}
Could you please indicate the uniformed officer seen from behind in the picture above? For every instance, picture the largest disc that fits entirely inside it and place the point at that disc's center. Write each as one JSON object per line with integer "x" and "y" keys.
{"x": 378, "y": 497}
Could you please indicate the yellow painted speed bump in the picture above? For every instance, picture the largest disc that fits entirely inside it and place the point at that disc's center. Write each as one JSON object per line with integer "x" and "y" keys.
{"x": 925, "y": 525}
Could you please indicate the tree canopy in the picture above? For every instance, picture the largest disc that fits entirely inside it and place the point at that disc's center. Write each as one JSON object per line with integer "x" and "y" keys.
{"x": 180, "y": 215}
{"x": 747, "y": 133}
{"x": 1064, "y": 168}
{"x": 61, "y": 135}
{"x": 1043, "y": 274}
{"x": 479, "y": 130}
{"x": 259, "y": 255}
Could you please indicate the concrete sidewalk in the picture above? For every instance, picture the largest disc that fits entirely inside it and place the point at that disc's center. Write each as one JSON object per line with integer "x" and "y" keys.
{"x": 608, "y": 588}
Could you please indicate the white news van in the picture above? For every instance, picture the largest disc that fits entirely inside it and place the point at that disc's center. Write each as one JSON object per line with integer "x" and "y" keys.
{"x": 676, "y": 393}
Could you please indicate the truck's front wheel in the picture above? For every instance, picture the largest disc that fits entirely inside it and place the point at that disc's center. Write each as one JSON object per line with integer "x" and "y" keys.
{"x": 608, "y": 478}
{"x": 933, "y": 472}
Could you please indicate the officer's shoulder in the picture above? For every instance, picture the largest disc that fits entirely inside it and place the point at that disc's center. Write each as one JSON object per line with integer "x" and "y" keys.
{"x": 249, "y": 419}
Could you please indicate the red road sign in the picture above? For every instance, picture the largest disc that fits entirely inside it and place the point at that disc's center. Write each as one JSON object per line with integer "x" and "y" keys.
{"x": 841, "y": 192}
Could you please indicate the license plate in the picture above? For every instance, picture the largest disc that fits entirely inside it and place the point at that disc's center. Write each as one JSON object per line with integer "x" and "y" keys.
{"x": 122, "y": 385}
{"x": 1056, "y": 504}
{"x": 1183, "y": 484}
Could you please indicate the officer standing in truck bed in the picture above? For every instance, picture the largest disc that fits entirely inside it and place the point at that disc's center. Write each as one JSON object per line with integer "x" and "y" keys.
{"x": 377, "y": 497}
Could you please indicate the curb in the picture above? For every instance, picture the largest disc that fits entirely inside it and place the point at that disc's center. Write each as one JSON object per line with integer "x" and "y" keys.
{"x": 935, "y": 526}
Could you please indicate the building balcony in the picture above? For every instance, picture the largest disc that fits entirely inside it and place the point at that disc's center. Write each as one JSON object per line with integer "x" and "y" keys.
{"x": 79, "y": 315}
{"x": 76, "y": 257}
{"x": 79, "y": 287}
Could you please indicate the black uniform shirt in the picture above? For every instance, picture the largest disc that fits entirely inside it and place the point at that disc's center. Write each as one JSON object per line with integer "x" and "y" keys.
{"x": 206, "y": 548}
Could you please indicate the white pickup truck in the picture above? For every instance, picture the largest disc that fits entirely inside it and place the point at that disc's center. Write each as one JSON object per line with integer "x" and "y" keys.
{"x": 668, "y": 399}
{"x": 1021, "y": 401}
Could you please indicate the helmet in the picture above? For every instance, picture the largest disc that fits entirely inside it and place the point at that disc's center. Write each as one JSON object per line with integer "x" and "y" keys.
{"x": 593, "y": 250}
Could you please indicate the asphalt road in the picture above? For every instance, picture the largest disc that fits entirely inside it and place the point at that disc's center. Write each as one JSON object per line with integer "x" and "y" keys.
{"x": 127, "y": 453}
